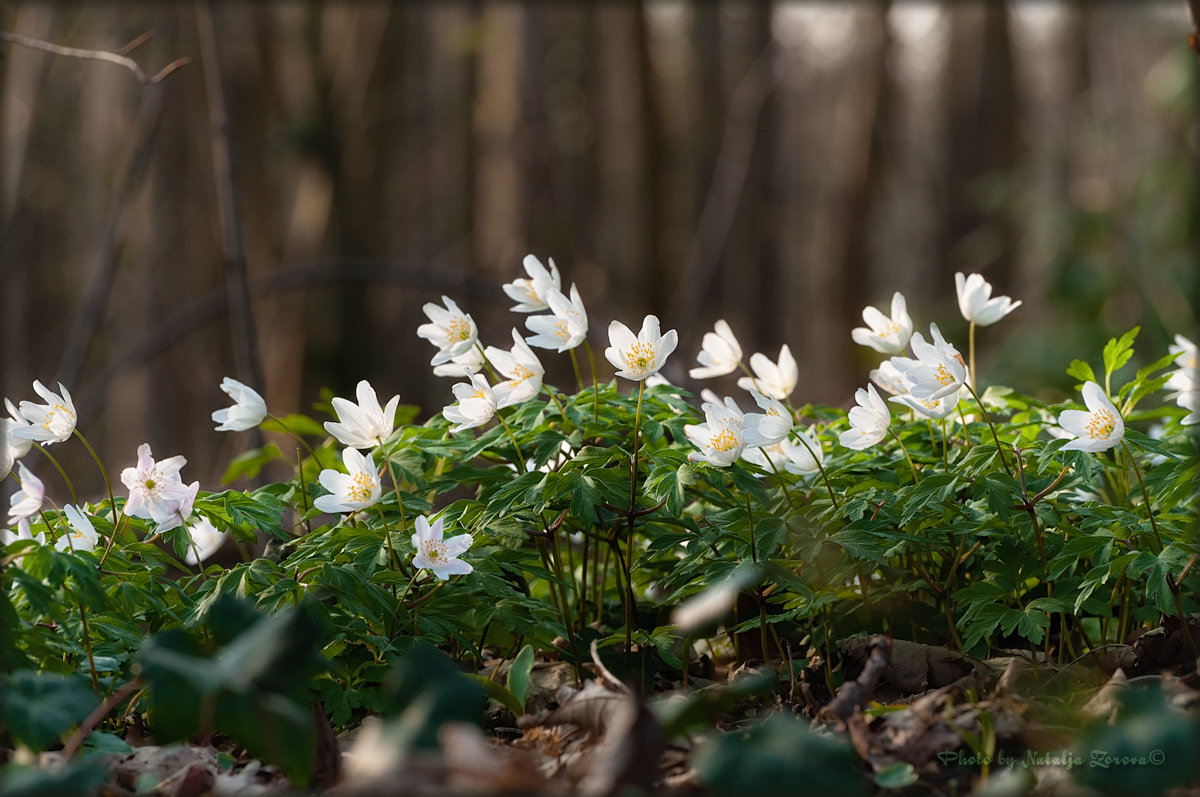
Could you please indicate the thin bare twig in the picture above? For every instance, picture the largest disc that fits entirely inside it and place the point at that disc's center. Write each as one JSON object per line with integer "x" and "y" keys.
{"x": 1194, "y": 13}
{"x": 99, "y": 55}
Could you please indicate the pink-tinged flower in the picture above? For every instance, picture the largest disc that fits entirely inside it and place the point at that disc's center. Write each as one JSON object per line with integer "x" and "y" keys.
{"x": 975, "y": 300}
{"x": 365, "y": 424}
{"x": 884, "y": 334}
{"x": 248, "y": 408}
{"x": 182, "y": 509}
{"x": 768, "y": 427}
{"x": 639, "y": 357}
{"x": 939, "y": 369}
{"x": 720, "y": 439}
{"x": 1098, "y": 429}
{"x": 476, "y": 404}
{"x": 155, "y": 489}
{"x": 81, "y": 535}
{"x": 437, "y": 554}
{"x": 52, "y": 422}
{"x": 450, "y": 329}
{"x": 523, "y": 369}
{"x": 357, "y": 489}
{"x": 566, "y": 326}
{"x": 771, "y": 379}
{"x": 531, "y": 294}
{"x": 27, "y": 501}
{"x": 720, "y": 353}
{"x": 869, "y": 421}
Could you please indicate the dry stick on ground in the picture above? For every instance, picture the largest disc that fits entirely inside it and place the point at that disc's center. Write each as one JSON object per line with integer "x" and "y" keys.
{"x": 99, "y": 55}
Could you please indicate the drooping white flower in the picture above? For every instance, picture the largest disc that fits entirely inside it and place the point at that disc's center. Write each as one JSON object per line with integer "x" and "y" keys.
{"x": 769, "y": 426}
{"x": 939, "y": 369}
{"x": 720, "y": 353}
{"x": 639, "y": 357}
{"x": 52, "y": 422}
{"x": 17, "y": 446}
{"x": 1099, "y": 428}
{"x": 805, "y": 455}
{"x": 82, "y": 535}
{"x": 884, "y": 334}
{"x": 461, "y": 366}
{"x": 357, "y": 489}
{"x": 182, "y": 509}
{"x": 869, "y": 421}
{"x": 155, "y": 488}
{"x": 530, "y": 294}
{"x": 523, "y": 369}
{"x": 976, "y": 303}
{"x": 771, "y": 379}
{"x": 27, "y": 501}
{"x": 769, "y": 458}
{"x": 450, "y": 329}
{"x": 476, "y": 404}
{"x": 23, "y": 532}
{"x": 205, "y": 540}
{"x": 890, "y": 378}
{"x": 437, "y": 554}
{"x": 248, "y": 408}
{"x": 720, "y": 439}
{"x": 1190, "y": 401}
{"x": 937, "y": 408}
{"x": 566, "y": 326}
{"x": 365, "y": 424}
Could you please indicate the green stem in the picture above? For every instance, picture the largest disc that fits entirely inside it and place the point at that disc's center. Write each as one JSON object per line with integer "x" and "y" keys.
{"x": 595, "y": 383}
{"x": 112, "y": 502}
{"x": 995, "y": 436}
{"x": 61, "y": 472}
{"x": 1137, "y": 471}
{"x": 916, "y": 476}
{"x": 775, "y": 469}
{"x": 486, "y": 363}
{"x": 296, "y": 435}
{"x": 575, "y": 366}
{"x": 945, "y": 458}
{"x": 824, "y": 476}
{"x": 971, "y": 354}
{"x": 516, "y": 447}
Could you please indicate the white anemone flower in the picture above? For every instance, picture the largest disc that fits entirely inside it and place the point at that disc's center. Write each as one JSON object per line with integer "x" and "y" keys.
{"x": 564, "y": 328}
{"x": 156, "y": 490}
{"x": 23, "y": 532}
{"x": 476, "y": 404}
{"x": 937, "y": 408}
{"x": 470, "y": 362}
{"x": 182, "y": 509}
{"x": 18, "y": 446}
{"x": 1099, "y": 428}
{"x": 887, "y": 335}
{"x": 720, "y": 438}
{"x": 204, "y": 540}
{"x": 248, "y": 408}
{"x": 438, "y": 554}
{"x": 776, "y": 380}
{"x": 767, "y": 427}
{"x": 976, "y": 303}
{"x": 1190, "y": 401}
{"x": 939, "y": 369}
{"x": 720, "y": 353}
{"x": 450, "y": 329}
{"x": 804, "y": 456}
{"x": 530, "y": 294}
{"x": 639, "y": 357}
{"x": 82, "y": 535}
{"x": 27, "y": 501}
{"x": 365, "y": 424}
{"x": 869, "y": 421}
{"x": 523, "y": 369}
{"x": 889, "y": 378}
{"x": 770, "y": 458}
{"x": 52, "y": 422}
{"x": 357, "y": 489}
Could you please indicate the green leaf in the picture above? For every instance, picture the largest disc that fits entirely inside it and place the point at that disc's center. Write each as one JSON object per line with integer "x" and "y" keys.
{"x": 295, "y": 423}
{"x": 1118, "y": 351}
{"x": 897, "y": 776}
{"x": 251, "y": 462}
{"x": 39, "y": 708}
{"x": 1081, "y": 371}
{"x": 518, "y": 676}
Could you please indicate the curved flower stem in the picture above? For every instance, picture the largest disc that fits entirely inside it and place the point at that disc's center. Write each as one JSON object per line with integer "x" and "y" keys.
{"x": 112, "y": 502}
{"x": 517, "y": 448}
{"x": 393, "y": 560}
{"x": 628, "y": 563}
{"x": 1137, "y": 471}
{"x": 595, "y": 383}
{"x": 775, "y": 469}
{"x": 575, "y": 366}
{"x": 987, "y": 417}
{"x": 750, "y": 374}
{"x": 61, "y": 472}
{"x": 821, "y": 468}
{"x": 396, "y": 488}
{"x": 966, "y": 433}
{"x": 487, "y": 363}
{"x": 971, "y": 354}
{"x": 896, "y": 437}
{"x": 557, "y": 403}
{"x": 945, "y": 458}
{"x": 299, "y": 439}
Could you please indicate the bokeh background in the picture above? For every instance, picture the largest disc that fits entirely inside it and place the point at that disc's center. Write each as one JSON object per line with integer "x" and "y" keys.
{"x": 279, "y": 208}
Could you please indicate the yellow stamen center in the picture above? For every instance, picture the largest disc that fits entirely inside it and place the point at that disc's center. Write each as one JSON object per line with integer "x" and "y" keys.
{"x": 435, "y": 551}
{"x": 458, "y": 329}
{"x": 640, "y": 357}
{"x": 560, "y": 329}
{"x": 1101, "y": 424}
{"x": 943, "y": 376}
{"x": 360, "y": 487}
{"x": 521, "y": 373}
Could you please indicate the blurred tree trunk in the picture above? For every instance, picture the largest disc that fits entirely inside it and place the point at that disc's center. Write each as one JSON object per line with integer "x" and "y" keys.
{"x": 980, "y": 145}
